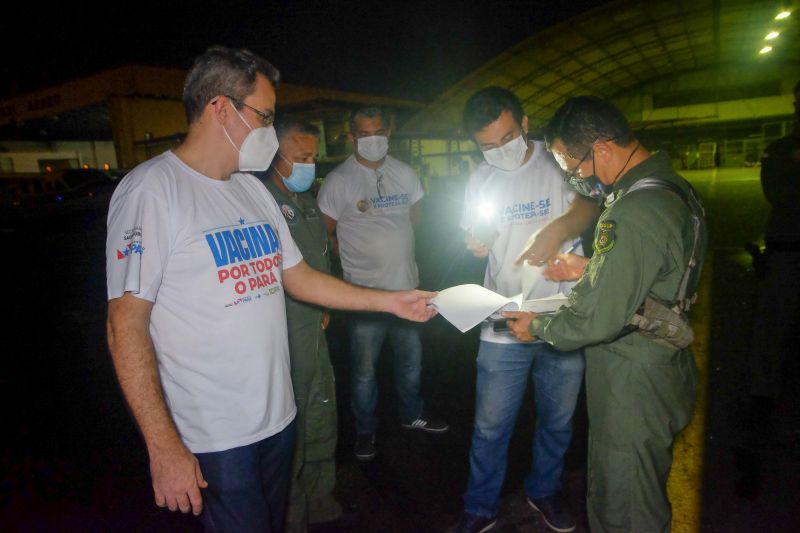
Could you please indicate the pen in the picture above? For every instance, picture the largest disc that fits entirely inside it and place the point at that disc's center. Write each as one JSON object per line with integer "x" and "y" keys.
{"x": 571, "y": 249}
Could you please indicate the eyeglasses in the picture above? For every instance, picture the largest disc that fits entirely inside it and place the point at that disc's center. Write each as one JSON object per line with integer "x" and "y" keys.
{"x": 266, "y": 118}
{"x": 573, "y": 172}
{"x": 379, "y": 184}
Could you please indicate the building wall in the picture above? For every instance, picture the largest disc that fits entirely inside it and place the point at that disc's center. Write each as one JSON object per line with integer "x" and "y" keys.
{"x": 136, "y": 120}
{"x": 29, "y": 156}
{"x": 722, "y": 116}
{"x": 436, "y": 158}
{"x": 96, "y": 154}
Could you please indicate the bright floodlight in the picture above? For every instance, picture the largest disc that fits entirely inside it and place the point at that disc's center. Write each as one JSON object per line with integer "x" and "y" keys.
{"x": 765, "y": 50}
{"x": 772, "y": 35}
{"x": 782, "y": 15}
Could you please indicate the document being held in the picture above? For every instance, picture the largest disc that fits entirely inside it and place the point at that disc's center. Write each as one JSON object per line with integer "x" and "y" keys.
{"x": 466, "y": 306}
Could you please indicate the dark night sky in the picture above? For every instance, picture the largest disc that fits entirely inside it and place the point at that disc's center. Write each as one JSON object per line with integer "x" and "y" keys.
{"x": 405, "y": 49}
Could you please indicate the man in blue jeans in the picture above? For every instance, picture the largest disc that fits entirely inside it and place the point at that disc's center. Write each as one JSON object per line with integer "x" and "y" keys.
{"x": 518, "y": 200}
{"x": 370, "y": 205}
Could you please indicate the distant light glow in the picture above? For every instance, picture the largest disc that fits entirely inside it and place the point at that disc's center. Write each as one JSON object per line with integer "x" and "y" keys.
{"x": 782, "y": 15}
{"x": 106, "y": 166}
{"x": 765, "y": 50}
{"x": 772, "y": 35}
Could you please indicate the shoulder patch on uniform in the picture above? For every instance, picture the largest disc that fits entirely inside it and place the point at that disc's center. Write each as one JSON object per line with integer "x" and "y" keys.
{"x": 606, "y": 236}
{"x": 289, "y": 214}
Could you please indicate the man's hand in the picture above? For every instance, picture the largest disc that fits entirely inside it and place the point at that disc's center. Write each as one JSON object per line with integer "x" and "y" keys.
{"x": 412, "y": 305}
{"x": 518, "y": 322}
{"x": 566, "y": 267}
{"x": 175, "y": 472}
{"x": 542, "y": 246}
{"x": 475, "y": 246}
{"x": 326, "y": 320}
{"x": 177, "y": 480}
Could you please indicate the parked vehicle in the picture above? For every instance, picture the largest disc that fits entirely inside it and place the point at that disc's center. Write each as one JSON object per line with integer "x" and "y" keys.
{"x": 27, "y": 196}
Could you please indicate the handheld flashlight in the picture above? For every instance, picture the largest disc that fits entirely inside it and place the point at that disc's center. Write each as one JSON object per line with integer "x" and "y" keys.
{"x": 482, "y": 229}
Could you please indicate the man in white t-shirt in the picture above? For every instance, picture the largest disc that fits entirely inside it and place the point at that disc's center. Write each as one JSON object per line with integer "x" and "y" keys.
{"x": 370, "y": 205}
{"x": 198, "y": 257}
{"x": 518, "y": 204}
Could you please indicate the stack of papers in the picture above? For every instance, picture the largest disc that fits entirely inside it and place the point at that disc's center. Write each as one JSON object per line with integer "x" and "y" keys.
{"x": 466, "y": 306}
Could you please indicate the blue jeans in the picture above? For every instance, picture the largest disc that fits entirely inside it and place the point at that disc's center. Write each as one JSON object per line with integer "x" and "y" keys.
{"x": 502, "y": 378}
{"x": 248, "y": 486}
{"x": 367, "y": 333}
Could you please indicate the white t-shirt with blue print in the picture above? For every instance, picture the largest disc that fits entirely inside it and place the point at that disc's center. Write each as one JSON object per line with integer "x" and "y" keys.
{"x": 209, "y": 254}
{"x": 516, "y": 204}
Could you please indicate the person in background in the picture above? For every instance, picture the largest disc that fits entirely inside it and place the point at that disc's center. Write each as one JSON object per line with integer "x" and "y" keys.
{"x": 312, "y": 505}
{"x": 370, "y": 205}
{"x": 779, "y": 292}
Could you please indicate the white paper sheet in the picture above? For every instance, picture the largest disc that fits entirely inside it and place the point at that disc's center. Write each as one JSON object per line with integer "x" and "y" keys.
{"x": 466, "y": 306}
{"x": 530, "y": 276}
{"x": 549, "y": 304}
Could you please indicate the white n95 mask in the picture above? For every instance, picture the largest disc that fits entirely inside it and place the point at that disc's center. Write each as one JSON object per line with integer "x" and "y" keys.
{"x": 373, "y": 148}
{"x": 509, "y": 156}
{"x": 258, "y": 148}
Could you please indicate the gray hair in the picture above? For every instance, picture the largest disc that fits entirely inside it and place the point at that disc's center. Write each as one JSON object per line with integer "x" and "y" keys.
{"x": 223, "y": 71}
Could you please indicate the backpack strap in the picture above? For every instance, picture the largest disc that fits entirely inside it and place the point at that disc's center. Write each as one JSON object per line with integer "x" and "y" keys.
{"x": 687, "y": 290}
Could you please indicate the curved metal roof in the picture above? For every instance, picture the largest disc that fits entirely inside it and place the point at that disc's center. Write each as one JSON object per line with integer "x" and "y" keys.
{"x": 619, "y": 48}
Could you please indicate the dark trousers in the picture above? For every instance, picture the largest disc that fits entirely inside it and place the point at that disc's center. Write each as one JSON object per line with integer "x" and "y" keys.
{"x": 774, "y": 322}
{"x": 639, "y": 396}
{"x": 248, "y": 486}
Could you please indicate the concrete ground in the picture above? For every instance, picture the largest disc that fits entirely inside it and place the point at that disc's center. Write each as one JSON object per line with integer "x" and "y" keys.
{"x": 72, "y": 459}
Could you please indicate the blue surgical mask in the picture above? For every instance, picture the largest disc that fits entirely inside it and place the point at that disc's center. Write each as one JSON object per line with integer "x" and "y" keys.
{"x": 301, "y": 178}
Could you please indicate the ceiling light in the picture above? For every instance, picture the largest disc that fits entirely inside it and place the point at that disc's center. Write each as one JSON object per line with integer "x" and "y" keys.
{"x": 772, "y": 35}
{"x": 782, "y": 15}
{"x": 765, "y": 50}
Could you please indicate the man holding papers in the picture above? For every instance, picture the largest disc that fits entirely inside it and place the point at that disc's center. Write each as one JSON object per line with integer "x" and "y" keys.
{"x": 517, "y": 192}
{"x": 649, "y": 248}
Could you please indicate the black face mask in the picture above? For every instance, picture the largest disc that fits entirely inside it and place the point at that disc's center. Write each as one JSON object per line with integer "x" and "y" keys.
{"x": 589, "y": 187}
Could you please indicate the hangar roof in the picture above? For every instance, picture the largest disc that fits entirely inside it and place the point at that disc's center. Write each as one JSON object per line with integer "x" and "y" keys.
{"x": 617, "y": 49}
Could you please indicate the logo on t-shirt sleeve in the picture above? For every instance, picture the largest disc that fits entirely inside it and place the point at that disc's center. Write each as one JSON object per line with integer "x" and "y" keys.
{"x": 133, "y": 239}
